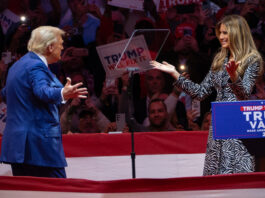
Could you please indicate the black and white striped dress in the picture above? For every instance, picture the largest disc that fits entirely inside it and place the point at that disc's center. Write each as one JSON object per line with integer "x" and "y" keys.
{"x": 224, "y": 156}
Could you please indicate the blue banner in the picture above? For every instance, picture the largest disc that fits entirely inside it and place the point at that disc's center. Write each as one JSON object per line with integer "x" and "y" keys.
{"x": 239, "y": 119}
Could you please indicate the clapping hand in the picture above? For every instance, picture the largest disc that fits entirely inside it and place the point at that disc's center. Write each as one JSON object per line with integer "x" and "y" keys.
{"x": 74, "y": 91}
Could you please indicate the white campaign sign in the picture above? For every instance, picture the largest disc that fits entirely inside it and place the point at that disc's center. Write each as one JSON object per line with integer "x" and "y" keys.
{"x": 136, "y": 55}
{"x": 7, "y": 19}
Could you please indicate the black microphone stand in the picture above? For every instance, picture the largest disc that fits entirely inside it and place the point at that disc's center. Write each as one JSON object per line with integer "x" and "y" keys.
{"x": 130, "y": 95}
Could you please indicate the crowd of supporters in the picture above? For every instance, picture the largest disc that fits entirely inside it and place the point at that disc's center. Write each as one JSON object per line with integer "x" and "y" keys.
{"x": 148, "y": 102}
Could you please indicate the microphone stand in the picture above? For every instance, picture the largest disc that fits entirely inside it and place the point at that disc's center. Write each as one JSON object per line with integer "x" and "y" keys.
{"x": 133, "y": 156}
{"x": 130, "y": 95}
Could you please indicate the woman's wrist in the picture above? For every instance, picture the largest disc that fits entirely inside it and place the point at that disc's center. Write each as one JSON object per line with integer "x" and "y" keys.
{"x": 175, "y": 75}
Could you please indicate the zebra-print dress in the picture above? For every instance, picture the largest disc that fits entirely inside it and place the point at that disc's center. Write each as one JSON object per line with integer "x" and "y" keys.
{"x": 224, "y": 156}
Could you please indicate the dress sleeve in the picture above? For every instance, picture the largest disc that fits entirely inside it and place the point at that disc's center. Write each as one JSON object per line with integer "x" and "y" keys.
{"x": 198, "y": 91}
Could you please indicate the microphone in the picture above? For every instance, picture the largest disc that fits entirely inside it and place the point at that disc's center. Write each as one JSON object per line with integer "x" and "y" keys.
{"x": 132, "y": 69}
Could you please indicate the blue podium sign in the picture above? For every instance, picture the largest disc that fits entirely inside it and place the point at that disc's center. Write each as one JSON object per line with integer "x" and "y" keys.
{"x": 239, "y": 119}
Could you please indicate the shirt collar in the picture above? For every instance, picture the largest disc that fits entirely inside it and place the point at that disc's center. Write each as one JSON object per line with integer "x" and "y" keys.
{"x": 42, "y": 58}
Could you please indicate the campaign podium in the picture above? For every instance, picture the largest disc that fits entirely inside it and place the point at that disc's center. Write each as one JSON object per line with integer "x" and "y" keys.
{"x": 238, "y": 119}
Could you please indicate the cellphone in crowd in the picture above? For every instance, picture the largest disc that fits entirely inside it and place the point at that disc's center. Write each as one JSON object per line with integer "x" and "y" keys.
{"x": 120, "y": 121}
{"x": 183, "y": 68}
{"x": 80, "y": 52}
{"x": 196, "y": 107}
{"x": 187, "y": 32}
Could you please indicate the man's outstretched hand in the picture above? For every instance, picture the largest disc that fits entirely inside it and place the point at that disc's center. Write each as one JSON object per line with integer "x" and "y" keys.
{"x": 74, "y": 91}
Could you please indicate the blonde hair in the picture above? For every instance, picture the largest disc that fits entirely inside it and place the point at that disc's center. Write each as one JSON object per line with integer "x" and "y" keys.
{"x": 42, "y": 37}
{"x": 241, "y": 44}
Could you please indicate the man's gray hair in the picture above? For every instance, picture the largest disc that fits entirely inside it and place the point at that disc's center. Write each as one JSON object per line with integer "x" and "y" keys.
{"x": 42, "y": 37}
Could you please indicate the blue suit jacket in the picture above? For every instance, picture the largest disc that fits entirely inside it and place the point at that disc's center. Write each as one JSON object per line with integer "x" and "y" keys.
{"x": 32, "y": 134}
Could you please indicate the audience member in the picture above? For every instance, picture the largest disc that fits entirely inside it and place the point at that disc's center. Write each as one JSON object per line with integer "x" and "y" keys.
{"x": 259, "y": 89}
{"x": 156, "y": 111}
{"x": 153, "y": 83}
{"x": 87, "y": 122}
{"x": 187, "y": 57}
{"x": 91, "y": 120}
{"x": 79, "y": 24}
{"x": 206, "y": 122}
{"x": 157, "y": 114}
{"x": 109, "y": 99}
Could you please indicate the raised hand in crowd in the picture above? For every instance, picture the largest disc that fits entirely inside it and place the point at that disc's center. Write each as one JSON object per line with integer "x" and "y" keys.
{"x": 110, "y": 88}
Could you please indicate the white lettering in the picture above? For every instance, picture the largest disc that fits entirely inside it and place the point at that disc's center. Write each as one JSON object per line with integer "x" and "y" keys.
{"x": 247, "y": 114}
{"x": 261, "y": 125}
{"x": 253, "y": 124}
{"x": 257, "y": 115}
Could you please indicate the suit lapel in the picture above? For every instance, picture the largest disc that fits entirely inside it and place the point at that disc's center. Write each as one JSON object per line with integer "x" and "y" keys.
{"x": 56, "y": 82}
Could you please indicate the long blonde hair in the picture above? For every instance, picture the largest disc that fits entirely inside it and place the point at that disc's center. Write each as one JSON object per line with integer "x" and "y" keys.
{"x": 241, "y": 44}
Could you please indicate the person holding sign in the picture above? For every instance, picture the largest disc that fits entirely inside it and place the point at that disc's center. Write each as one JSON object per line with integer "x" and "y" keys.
{"x": 233, "y": 74}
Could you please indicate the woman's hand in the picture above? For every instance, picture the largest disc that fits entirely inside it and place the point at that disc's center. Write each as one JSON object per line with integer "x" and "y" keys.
{"x": 231, "y": 68}
{"x": 166, "y": 67}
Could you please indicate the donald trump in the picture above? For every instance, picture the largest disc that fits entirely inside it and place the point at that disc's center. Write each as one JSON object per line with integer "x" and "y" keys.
{"x": 32, "y": 140}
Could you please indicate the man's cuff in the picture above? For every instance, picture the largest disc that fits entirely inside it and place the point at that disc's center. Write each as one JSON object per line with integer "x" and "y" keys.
{"x": 63, "y": 101}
